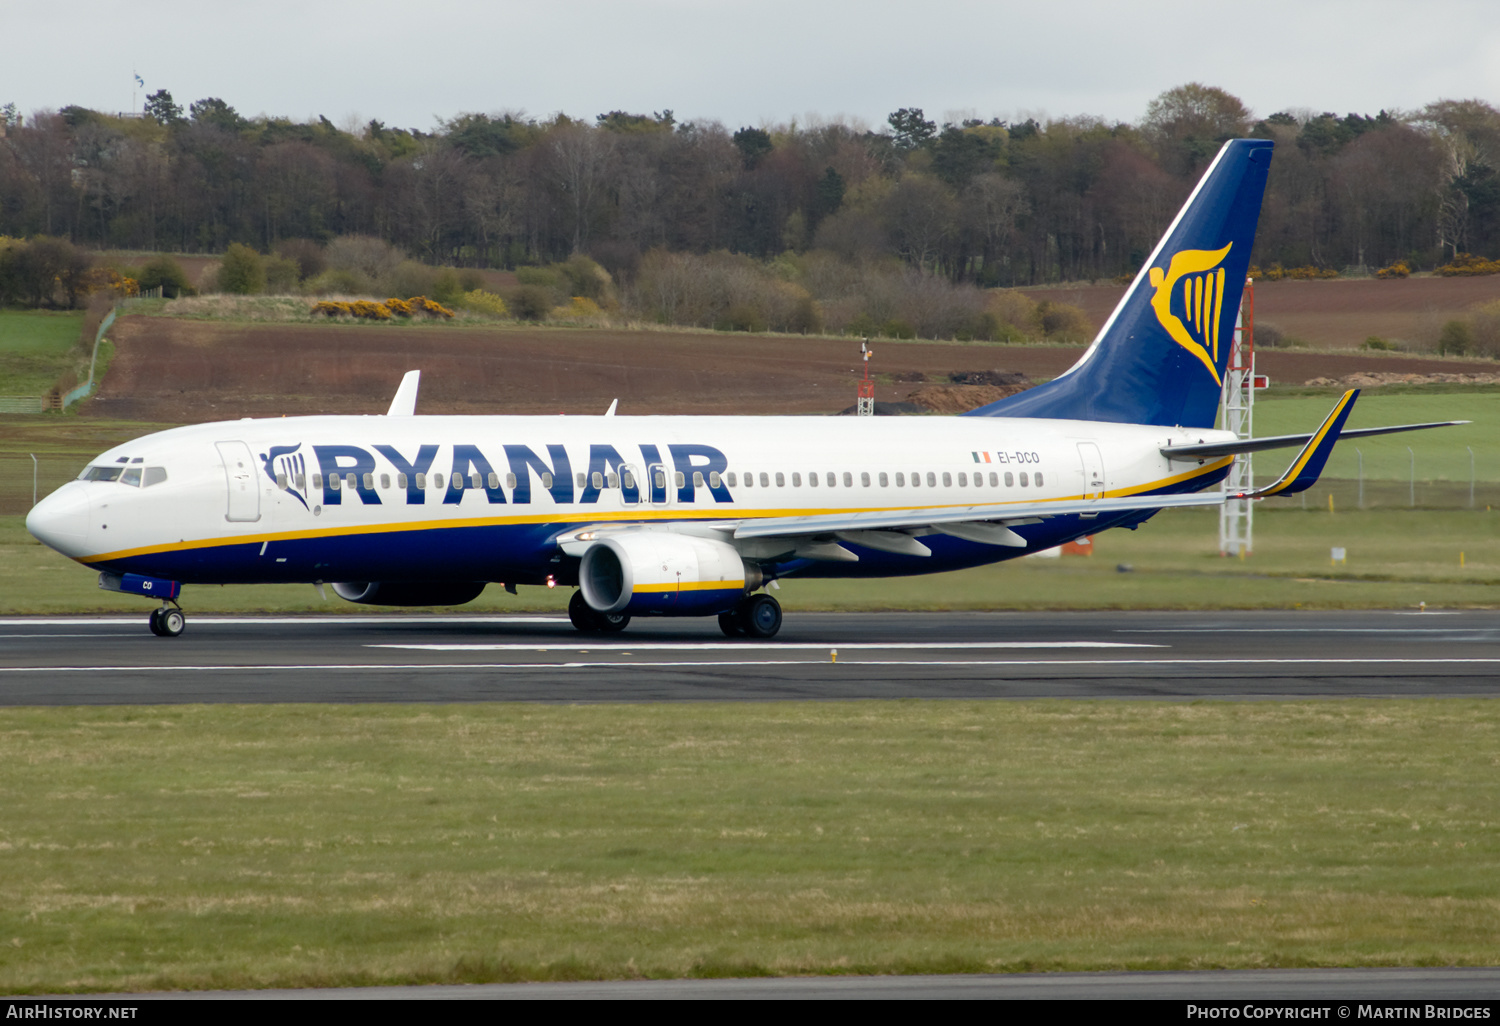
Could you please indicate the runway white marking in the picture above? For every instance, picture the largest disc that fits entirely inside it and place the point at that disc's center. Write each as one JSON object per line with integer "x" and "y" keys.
{"x": 740, "y": 646}
{"x": 240, "y": 621}
{"x": 1302, "y": 630}
{"x": 994, "y": 663}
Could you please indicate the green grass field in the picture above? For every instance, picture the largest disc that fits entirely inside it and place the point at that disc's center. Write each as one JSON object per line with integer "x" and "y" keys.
{"x": 1395, "y": 559}
{"x": 226, "y": 847}
{"x": 36, "y": 347}
{"x": 1396, "y": 556}
{"x": 1440, "y": 454}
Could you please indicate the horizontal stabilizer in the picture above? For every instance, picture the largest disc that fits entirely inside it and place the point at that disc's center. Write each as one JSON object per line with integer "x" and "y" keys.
{"x": 1213, "y": 450}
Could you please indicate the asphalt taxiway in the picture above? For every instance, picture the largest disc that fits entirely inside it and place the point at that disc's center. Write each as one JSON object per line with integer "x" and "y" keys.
{"x": 359, "y": 658}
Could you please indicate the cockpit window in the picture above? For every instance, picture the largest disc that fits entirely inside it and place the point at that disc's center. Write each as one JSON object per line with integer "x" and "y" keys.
{"x": 135, "y": 476}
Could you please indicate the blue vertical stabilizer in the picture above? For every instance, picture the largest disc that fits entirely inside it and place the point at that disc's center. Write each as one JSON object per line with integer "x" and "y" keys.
{"x": 1160, "y": 357}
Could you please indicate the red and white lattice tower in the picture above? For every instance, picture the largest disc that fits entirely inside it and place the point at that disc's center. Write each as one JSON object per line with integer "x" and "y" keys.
{"x": 864, "y": 406}
{"x": 1236, "y": 413}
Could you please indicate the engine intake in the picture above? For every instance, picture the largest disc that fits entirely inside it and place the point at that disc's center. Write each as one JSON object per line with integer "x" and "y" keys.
{"x": 656, "y": 573}
{"x": 409, "y": 593}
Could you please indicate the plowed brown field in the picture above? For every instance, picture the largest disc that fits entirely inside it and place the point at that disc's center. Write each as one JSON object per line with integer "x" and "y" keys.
{"x": 1336, "y": 314}
{"x": 169, "y": 370}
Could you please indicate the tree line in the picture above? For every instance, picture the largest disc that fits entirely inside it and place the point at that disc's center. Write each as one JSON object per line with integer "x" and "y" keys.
{"x": 983, "y": 202}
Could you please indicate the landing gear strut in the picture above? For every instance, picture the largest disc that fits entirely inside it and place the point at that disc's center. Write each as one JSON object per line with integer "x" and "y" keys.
{"x": 758, "y": 616}
{"x": 167, "y": 621}
{"x": 589, "y": 620}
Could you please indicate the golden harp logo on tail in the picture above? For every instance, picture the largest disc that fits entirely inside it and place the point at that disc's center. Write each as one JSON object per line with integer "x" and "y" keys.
{"x": 1195, "y": 327}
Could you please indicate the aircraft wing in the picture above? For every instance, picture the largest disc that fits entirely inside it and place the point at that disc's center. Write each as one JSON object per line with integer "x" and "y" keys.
{"x": 1009, "y": 513}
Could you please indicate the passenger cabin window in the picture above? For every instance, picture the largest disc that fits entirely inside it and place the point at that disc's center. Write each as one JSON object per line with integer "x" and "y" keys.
{"x": 864, "y": 478}
{"x": 610, "y": 480}
{"x": 994, "y": 480}
{"x": 848, "y": 479}
{"x": 628, "y": 479}
{"x": 900, "y": 479}
{"x": 812, "y": 479}
{"x": 931, "y": 479}
{"x": 1038, "y": 476}
{"x": 281, "y": 481}
{"x": 796, "y": 480}
{"x": 510, "y": 482}
{"x": 714, "y": 480}
{"x": 831, "y": 480}
{"x": 733, "y": 482}
{"x": 546, "y": 481}
{"x": 318, "y": 480}
{"x": 335, "y": 482}
{"x": 385, "y": 482}
{"x": 697, "y": 479}
{"x": 1010, "y": 479}
{"x": 884, "y": 481}
{"x": 494, "y": 480}
{"x": 1024, "y": 482}
{"x": 765, "y": 479}
{"x": 780, "y": 479}
{"x": 947, "y": 480}
{"x": 680, "y": 479}
{"x": 598, "y": 479}
{"x": 582, "y": 481}
{"x": 401, "y": 480}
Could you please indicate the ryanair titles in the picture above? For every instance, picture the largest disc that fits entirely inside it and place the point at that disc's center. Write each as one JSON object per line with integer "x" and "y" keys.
{"x": 503, "y": 473}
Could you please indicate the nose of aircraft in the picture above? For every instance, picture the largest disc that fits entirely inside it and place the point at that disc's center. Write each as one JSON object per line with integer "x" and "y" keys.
{"x": 61, "y": 520}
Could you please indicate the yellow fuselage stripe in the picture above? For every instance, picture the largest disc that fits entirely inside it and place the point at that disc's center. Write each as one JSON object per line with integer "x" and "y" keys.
{"x": 584, "y": 516}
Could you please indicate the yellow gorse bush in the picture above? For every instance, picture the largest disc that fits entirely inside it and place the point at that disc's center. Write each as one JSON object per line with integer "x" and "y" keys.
{"x": 1467, "y": 265}
{"x": 369, "y": 310}
{"x": 1278, "y": 273}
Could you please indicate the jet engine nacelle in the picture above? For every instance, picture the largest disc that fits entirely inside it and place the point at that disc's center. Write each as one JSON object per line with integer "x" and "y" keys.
{"x": 409, "y": 593}
{"x": 657, "y": 573}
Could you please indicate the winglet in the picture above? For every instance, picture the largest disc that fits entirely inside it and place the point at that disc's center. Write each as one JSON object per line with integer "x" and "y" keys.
{"x": 611, "y": 411}
{"x": 1304, "y": 471}
{"x": 405, "y": 402}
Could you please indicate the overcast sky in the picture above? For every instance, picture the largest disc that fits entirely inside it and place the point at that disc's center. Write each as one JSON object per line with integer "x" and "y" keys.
{"x": 751, "y": 62}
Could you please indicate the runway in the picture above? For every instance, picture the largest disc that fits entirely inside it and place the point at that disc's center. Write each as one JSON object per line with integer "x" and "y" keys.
{"x": 817, "y": 656}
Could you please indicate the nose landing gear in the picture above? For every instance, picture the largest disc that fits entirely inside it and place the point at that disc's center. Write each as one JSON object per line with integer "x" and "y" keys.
{"x": 167, "y": 621}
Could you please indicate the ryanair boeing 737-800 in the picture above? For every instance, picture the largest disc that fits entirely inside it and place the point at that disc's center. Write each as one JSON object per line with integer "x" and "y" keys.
{"x": 694, "y": 516}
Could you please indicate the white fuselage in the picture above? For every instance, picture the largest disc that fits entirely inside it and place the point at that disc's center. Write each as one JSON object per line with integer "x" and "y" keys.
{"x": 257, "y": 500}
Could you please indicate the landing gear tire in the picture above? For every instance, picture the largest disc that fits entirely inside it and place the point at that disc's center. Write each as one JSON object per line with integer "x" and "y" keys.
{"x": 167, "y": 622}
{"x": 589, "y": 620}
{"x": 583, "y": 616}
{"x": 612, "y": 623}
{"x": 759, "y": 616}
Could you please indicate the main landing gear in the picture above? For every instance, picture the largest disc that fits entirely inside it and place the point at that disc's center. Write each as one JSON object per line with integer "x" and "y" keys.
{"x": 591, "y": 621}
{"x": 758, "y": 616}
{"x": 167, "y": 621}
